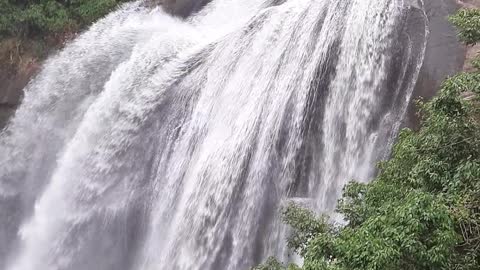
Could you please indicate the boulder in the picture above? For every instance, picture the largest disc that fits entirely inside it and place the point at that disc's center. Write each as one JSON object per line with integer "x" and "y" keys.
{"x": 182, "y": 8}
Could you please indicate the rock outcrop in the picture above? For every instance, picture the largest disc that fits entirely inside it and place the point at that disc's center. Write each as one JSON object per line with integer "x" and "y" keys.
{"x": 182, "y": 8}
{"x": 17, "y": 66}
{"x": 444, "y": 55}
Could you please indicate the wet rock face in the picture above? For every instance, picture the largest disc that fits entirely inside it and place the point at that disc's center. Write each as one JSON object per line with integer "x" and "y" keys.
{"x": 182, "y": 8}
{"x": 5, "y": 112}
{"x": 13, "y": 78}
{"x": 444, "y": 55}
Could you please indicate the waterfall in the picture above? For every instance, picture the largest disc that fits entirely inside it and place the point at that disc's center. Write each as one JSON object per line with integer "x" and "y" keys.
{"x": 157, "y": 143}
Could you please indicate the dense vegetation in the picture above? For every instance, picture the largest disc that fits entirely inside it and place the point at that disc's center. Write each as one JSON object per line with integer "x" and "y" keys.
{"x": 422, "y": 211}
{"x": 468, "y": 20}
{"x": 44, "y": 17}
{"x": 30, "y": 29}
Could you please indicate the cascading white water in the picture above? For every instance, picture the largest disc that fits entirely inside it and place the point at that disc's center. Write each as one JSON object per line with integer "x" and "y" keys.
{"x": 155, "y": 143}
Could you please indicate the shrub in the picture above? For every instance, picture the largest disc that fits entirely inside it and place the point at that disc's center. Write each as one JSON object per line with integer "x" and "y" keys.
{"x": 468, "y": 22}
{"x": 31, "y": 17}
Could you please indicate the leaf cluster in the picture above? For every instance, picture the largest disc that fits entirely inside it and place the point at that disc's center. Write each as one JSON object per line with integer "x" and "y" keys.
{"x": 29, "y": 18}
{"x": 467, "y": 22}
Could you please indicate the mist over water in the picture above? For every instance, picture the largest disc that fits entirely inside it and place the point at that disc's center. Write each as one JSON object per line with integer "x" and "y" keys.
{"x": 152, "y": 142}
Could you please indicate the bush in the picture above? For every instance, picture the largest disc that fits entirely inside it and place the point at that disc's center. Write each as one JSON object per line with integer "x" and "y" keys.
{"x": 32, "y": 17}
{"x": 468, "y": 22}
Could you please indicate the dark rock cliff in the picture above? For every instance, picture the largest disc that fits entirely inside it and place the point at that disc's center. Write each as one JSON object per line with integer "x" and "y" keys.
{"x": 444, "y": 55}
{"x": 182, "y": 8}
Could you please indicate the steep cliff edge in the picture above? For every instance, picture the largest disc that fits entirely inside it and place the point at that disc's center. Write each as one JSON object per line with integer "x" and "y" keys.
{"x": 444, "y": 55}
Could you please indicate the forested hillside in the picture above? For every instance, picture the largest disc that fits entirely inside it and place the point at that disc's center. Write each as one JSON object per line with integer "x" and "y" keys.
{"x": 30, "y": 18}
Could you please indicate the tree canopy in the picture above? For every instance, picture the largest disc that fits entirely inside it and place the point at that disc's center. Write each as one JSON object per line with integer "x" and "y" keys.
{"x": 40, "y": 17}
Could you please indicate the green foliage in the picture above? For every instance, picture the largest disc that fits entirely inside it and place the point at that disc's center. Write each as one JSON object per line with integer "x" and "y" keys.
{"x": 468, "y": 22}
{"x": 273, "y": 264}
{"x": 40, "y": 17}
{"x": 305, "y": 227}
{"x": 48, "y": 16}
{"x": 476, "y": 63}
{"x": 87, "y": 11}
{"x": 422, "y": 211}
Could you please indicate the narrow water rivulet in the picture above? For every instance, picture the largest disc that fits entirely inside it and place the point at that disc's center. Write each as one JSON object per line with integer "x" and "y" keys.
{"x": 158, "y": 143}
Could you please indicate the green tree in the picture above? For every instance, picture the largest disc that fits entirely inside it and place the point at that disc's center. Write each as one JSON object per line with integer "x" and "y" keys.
{"x": 40, "y": 17}
{"x": 468, "y": 21}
